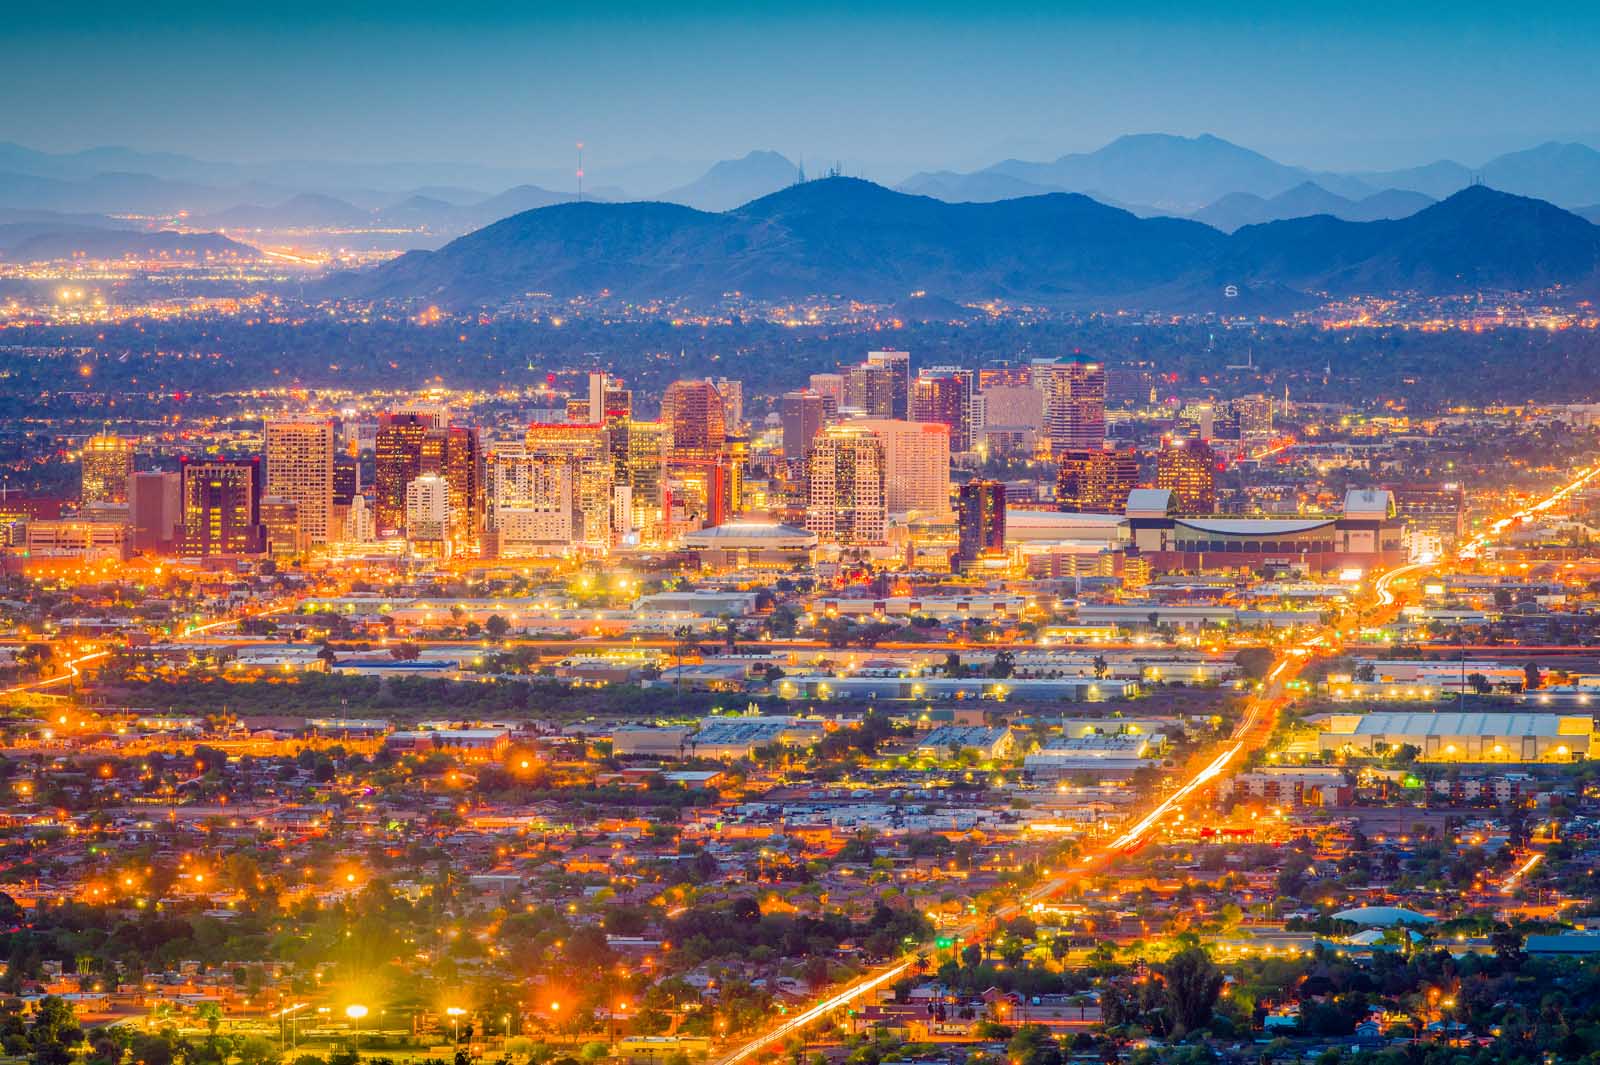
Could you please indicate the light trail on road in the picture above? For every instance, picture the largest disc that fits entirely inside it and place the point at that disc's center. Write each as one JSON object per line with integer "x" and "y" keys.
{"x": 71, "y": 664}
{"x": 1251, "y": 732}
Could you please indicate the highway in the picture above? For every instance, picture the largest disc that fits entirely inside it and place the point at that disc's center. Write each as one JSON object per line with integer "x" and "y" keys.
{"x": 1251, "y": 733}
{"x": 1254, "y": 727}
{"x": 73, "y": 667}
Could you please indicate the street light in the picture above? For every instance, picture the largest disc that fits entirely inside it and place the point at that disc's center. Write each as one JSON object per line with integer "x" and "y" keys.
{"x": 622, "y": 1007}
{"x": 454, "y": 1013}
{"x": 355, "y": 1011}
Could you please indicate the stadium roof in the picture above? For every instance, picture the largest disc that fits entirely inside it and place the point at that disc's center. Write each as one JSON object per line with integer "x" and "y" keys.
{"x": 1254, "y": 526}
{"x": 749, "y": 531}
{"x": 1383, "y": 916}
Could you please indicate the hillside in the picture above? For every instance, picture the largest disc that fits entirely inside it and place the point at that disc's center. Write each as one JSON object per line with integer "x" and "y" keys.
{"x": 849, "y": 237}
{"x": 839, "y": 235}
{"x": 35, "y": 242}
{"x": 1477, "y": 239}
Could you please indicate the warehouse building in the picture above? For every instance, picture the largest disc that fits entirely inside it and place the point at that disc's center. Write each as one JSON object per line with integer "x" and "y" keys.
{"x": 1460, "y": 737}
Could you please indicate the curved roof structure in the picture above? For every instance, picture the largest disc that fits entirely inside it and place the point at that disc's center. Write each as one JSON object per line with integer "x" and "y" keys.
{"x": 1254, "y": 526}
{"x": 751, "y": 534}
{"x": 1383, "y": 916}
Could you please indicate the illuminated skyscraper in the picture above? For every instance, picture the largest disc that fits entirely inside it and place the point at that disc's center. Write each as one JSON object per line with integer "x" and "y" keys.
{"x": 1187, "y": 468}
{"x": 916, "y": 464}
{"x": 980, "y": 520}
{"x": 700, "y": 461}
{"x": 803, "y": 415}
{"x": 848, "y": 504}
{"x": 1074, "y": 403}
{"x": 944, "y": 396}
{"x": 1096, "y": 482}
{"x": 694, "y": 416}
{"x": 607, "y": 399}
{"x": 155, "y": 510}
{"x": 1254, "y": 412}
{"x": 898, "y": 364}
{"x": 460, "y": 462}
{"x": 534, "y": 506}
{"x": 280, "y": 517}
{"x": 300, "y": 469}
{"x": 428, "y": 509}
{"x": 222, "y": 508}
{"x": 644, "y": 473}
{"x": 107, "y": 469}
{"x": 830, "y": 386}
{"x": 732, "y": 393}
{"x": 869, "y": 390}
{"x": 398, "y": 462}
{"x": 346, "y": 480}
{"x": 586, "y": 451}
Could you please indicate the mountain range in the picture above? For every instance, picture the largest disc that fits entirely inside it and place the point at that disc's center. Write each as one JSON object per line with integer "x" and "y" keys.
{"x": 1202, "y": 177}
{"x": 1158, "y": 172}
{"x": 850, "y": 237}
{"x": 1239, "y": 209}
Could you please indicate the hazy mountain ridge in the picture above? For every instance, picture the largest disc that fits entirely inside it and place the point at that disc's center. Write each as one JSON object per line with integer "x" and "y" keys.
{"x": 850, "y": 237}
{"x": 1239, "y": 209}
{"x": 734, "y": 182}
{"x": 47, "y": 242}
{"x": 1184, "y": 175}
{"x": 1146, "y": 174}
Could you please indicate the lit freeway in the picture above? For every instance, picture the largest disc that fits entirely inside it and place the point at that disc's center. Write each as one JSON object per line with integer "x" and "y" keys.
{"x": 1254, "y": 728}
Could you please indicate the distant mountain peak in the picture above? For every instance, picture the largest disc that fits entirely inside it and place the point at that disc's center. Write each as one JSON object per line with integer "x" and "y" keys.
{"x": 734, "y": 182}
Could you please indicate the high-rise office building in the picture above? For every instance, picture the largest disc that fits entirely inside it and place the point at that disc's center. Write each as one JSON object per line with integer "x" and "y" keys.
{"x": 460, "y": 462}
{"x": 702, "y": 461}
{"x": 428, "y": 509}
{"x": 1187, "y": 468}
{"x": 848, "y": 504}
{"x": 607, "y": 399}
{"x": 830, "y": 386}
{"x": 899, "y": 365}
{"x": 944, "y": 395}
{"x": 155, "y": 510}
{"x": 300, "y": 464}
{"x": 1096, "y": 482}
{"x": 916, "y": 464}
{"x": 803, "y": 415}
{"x": 1130, "y": 386}
{"x": 732, "y": 393}
{"x": 397, "y": 462}
{"x": 1005, "y": 375}
{"x": 1074, "y": 403}
{"x": 694, "y": 415}
{"x": 534, "y": 506}
{"x": 869, "y": 390}
{"x": 432, "y": 415}
{"x": 1013, "y": 408}
{"x": 980, "y": 520}
{"x": 586, "y": 450}
{"x": 346, "y": 479}
{"x": 107, "y": 469}
{"x": 280, "y": 517}
{"x": 1254, "y": 412}
{"x": 222, "y": 508}
{"x": 640, "y": 472}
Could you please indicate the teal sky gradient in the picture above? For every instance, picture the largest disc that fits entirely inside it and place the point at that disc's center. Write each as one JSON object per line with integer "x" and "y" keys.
{"x": 886, "y": 88}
